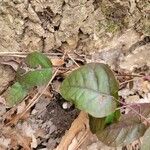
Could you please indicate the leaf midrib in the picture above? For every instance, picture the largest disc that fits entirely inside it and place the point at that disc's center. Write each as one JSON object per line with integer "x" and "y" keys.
{"x": 86, "y": 88}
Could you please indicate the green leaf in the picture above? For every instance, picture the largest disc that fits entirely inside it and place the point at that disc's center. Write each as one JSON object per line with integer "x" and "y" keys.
{"x": 98, "y": 124}
{"x": 146, "y": 140}
{"x": 39, "y": 72}
{"x": 130, "y": 127}
{"x": 121, "y": 133}
{"x": 112, "y": 117}
{"x": 92, "y": 88}
{"x": 35, "y": 78}
{"x": 15, "y": 94}
{"x": 36, "y": 59}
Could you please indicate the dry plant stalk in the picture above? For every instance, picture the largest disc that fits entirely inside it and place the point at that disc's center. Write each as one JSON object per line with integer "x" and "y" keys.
{"x": 79, "y": 126}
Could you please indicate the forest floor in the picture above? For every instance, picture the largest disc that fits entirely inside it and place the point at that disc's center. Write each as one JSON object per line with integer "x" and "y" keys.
{"x": 71, "y": 33}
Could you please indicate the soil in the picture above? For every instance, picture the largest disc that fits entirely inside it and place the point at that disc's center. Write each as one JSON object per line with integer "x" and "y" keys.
{"x": 54, "y": 120}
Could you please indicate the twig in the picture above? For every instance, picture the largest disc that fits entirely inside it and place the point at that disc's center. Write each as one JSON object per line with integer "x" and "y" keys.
{"x": 127, "y": 81}
{"x": 125, "y": 106}
{"x": 14, "y": 53}
{"x": 24, "y": 54}
{"x": 130, "y": 75}
{"x": 73, "y": 60}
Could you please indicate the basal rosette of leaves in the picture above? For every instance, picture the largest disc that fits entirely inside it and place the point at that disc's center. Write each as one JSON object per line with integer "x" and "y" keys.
{"x": 93, "y": 88}
{"x": 37, "y": 71}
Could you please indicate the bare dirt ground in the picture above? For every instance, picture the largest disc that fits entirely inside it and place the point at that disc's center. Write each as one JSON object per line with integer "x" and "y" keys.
{"x": 70, "y": 31}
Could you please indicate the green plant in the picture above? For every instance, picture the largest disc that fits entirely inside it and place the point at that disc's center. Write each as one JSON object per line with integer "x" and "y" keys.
{"x": 37, "y": 71}
{"x": 94, "y": 89}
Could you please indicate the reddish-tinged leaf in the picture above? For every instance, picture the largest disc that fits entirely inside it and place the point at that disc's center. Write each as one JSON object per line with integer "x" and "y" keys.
{"x": 146, "y": 140}
{"x": 129, "y": 128}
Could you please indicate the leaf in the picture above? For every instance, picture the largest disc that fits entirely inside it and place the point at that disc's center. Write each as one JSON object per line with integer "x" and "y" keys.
{"x": 57, "y": 62}
{"x": 122, "y": 133}
{"x": 15, "y": 94}
{"x": 142, "y": 109}
{"x": 36, "y": 59}
{"x": 146, "y": 140}
{"x": 92, "y": 88}
{"x": 112, "y": 117}
{"x": 40, "y": 72}
{"x": 35, "y": 78}
{"x": 98, "y": 124}
{"x": 129, "y": 128}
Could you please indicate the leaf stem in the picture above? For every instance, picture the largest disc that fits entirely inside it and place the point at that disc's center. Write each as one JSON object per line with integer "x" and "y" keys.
{"x": 132, "y": 75}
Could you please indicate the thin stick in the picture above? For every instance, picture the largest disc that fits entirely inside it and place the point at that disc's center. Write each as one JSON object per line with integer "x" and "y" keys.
{"x": 125, "y": 106}
{"x": 24, "y": 54}
{"x": 73, "y": 60}
{"x": 132, "y": 75}
{"x": 13, "y": 55}
{"x": 127, "y": 81}
{"x": 133, "y": 110}
{"x": 38, "y": 95}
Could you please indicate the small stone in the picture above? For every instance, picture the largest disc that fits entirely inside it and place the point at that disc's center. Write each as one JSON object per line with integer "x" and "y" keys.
{"x": 65, "y": 105}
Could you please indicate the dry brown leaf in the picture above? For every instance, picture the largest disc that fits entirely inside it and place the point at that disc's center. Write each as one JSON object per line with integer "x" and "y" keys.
{"x": 57, "y": 62}
{"x": 14, "y": 64}
{"x": 46, "y": 92}
{"x": 23, "y": 141}
{"x": 78, "y": 140}
{"x": 2, "y": 100}
{"x": 29, "y": 132}
{"x": 77, "y": 131}
{"x": 12, "y": 116}
{"x": 4, "y": 143}
{"x": 16, "y": 138}
{"x": 56, "y": 86}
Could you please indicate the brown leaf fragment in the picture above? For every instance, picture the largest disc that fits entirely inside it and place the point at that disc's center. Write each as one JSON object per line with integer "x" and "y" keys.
{"x": 57, "y": 62}
{"x": 14, "y": 64}
{"x": 17, "y": 138}
{"x": 130, "y": 127}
